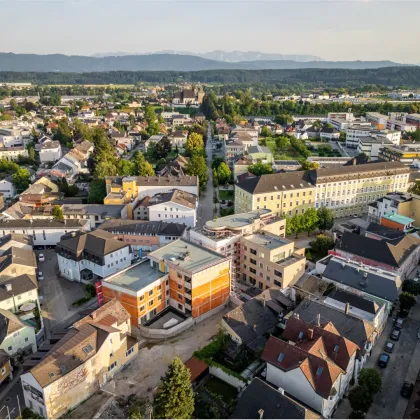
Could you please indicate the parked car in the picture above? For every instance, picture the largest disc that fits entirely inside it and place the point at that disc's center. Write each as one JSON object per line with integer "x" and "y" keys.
{"x": 407, "y": 389}
{"x": 41, "y": 257}
{"x": 40, "y": 276}
{"x": 383, "y": 360}
{"x": 399, "y": 322}
{"x": 389, "y": 347}
{"x": 395, "y": 335}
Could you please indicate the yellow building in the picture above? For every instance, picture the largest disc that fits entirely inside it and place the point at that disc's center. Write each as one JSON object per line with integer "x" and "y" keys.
{"x": 406, "y": 153}
{"x": 347, "y": 190}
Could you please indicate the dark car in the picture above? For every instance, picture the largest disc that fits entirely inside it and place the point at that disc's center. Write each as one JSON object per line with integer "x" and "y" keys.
{"x": 389, "y": 347}
{"x": 395, "y": 335}
{"x": 407, "y": 389}
{"x": 383, "y": 360}
{"x": 399, "y": 322}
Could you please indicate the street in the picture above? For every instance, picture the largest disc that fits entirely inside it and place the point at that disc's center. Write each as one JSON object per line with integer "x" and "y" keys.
{"x": 12, "y": 402}
{"x": 205, "y": 205}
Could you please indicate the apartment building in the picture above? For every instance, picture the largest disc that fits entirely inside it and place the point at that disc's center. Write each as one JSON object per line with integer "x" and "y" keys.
{"x": 14, "y": 136}
{"x": 408, "y": 153}
{"x": 413, "y": 119}
{"x": 181, "y": 275}
{"x": 343, "y": 120}
{"x": 87, "y": 256}
{"x": 377, "y": 119}
{"x": 358, "y": 132}
{"x": 13, "y": 153}
{"x": 88, "y": 356}
{"x": 123, "y": 190}
{"x": 223, "y": 235}
{"x": 268, "y": 260}
{"x": 371, "y": 146}
{"x": 50, "y": 151}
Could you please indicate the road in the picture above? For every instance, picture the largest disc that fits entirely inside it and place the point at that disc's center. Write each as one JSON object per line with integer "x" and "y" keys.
{"x": 205, "y": 206}
{"x": 12, "y": 401}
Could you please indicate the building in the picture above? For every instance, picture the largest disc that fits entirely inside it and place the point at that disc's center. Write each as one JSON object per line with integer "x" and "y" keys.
{"x": 16, "y": 336}
{"x": 122, "y": 190}
{"x": 251, "y": 131}
{"x": 16, "y": 240}
{"x": 50, "y": 151}
{"x": 378, "y": 120}
{"x": 413, "y": 119}
{"x": 259, "y": 154}
{"x": 223, "y": 235}
{"x": 144, "y": 236}
{"x": 400, "y": 256}
{"x": 45, "y": 232}
{"x": 7, "y": 187}
{"x": 13, "y": 153}
{"x": 188, "y": 96}
{"x": 356, "y": 133}
{"x": 178, "y": 139}
{"x": 261, "y": 400}
{"x": 174, "y": 206}
{"x": 328, "y": 134}
{"x": 315, "y": 365}
{"x": 397, "y": 222}
{"x": 88, "y": 356}
{"x": 87, "y": 256}
{"x": 371, "y": 146}
{"x": 15, "y": 136}
{"x": 408, "y": 153}
{"x": 267, "y": 259}
{"x": 41, "y": 193}
{"x": 404, "y": 204}
{"x": 95, "y": 213}
{"x": 17, "y": 261}
{"x": 5, "y": 367}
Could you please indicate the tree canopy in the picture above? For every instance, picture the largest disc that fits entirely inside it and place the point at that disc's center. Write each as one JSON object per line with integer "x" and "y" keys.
{"x": 260, "y": 169}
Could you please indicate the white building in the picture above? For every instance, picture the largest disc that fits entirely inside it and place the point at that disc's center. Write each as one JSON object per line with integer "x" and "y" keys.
{"x": 50, "y": 151}
{"x": 7, "y": 188}
{"x": 86, "y": 256}
{"x": 13, "y": 153}
{"x": 357, "y": 132}
{"x": 371, "y": 146}
{"x": 15, "y": 136}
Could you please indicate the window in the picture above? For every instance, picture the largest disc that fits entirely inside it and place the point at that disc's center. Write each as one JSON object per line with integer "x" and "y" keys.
{"x": 336, "y": 348}
{"x": 252, "y": 261}
{"x": 160, "y": 297}
{"x": 179, "y": 286}
{"x": 281, "y": 357}
{"x": 129, "y": 351}
{"x": 180, "y": 306}
{"x": 141, "y": 297}
{"x": 10, "y": 348}
{"x": 252, "y": 251}
{"x": 141, "y": 308}
{"x": 268, "y": 278}
{"x": 319, "y": 371}
{"x": 179, "y": 296}
{"x": 26, "y": 339}
{"x": 300, "y": 336}
{"x": 278, "y": 273}
{"x": 150, "y": 302}
{"x": 150, "y": 292}
{"x": 3, "y": 371}
{"x": 112, "y": 367}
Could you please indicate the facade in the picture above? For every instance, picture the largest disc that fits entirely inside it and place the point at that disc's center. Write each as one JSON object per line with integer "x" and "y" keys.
{"x": 88, "y": 356}
{"x": 13, "y": 153}
{"x": 408, "y": 153}
{"x": 7, "y": 187}
{"x": 356, "y": 133}
{"x": 378, "y": 120}
{"x": 50, "y": 151}
{"x": 45, "y": 232}
{"x": 15, "y": 136}
{"x": 5, "y": 367}
{"x": 371, "y": 146}
{"x": 397, "y": 222}
{"x": 86, "y": 256}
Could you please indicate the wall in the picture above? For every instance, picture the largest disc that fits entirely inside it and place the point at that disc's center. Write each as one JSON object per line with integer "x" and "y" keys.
{"x": 231, "y": 380}
{"x": 25, "y": 339}
{"x": 7, "y": 371}
{"x": 170, "y": 212}
{"x": 160, "y": 334}
{"x": 14, "y": 303}
{"x": 33, "y": 394}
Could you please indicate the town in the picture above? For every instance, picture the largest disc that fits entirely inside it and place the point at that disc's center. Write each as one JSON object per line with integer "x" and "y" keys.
{"x": 176, "y": 251}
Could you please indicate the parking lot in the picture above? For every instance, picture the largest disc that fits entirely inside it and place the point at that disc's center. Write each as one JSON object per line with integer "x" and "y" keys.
{"x": 403, "y": 366}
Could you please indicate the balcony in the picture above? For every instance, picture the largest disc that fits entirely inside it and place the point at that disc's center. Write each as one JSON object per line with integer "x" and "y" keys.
{"x": 187, "y": 296}
{"x": 187, "y": 307}
{"x": 187, "y": 285}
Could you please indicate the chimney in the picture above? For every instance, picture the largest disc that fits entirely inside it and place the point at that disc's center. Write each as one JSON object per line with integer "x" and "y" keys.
{"x": 261, "y": 413}
{"x": 93, "y": 315}
{"x": 347, "y": 307}
{"x": 8, "y": 286}
{"x": 318, "y": 320}
{"x": 310, "y": 334}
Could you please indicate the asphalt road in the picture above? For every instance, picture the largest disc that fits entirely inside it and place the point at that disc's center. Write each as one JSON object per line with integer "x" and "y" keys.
{"x": 10, "y": 403}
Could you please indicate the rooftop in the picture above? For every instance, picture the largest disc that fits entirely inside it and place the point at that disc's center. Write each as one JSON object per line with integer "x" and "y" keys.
{"x": 136, "y": 277}
{"x": 267, "y": 241}
{"x": 398, "y": 218}
{"x": 236, "y": 221}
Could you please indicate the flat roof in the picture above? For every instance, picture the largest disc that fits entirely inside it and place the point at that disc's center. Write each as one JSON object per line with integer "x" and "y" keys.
{"x": 267, "y": 241}
{"x": 398, "y": 218}
{"x": 137, "y": 277}
{"x": 235, "y": 221}
{"x": 188, "y": 256}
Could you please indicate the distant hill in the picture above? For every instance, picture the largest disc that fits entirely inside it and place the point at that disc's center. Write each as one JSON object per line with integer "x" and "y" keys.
{"x": 161, "y": 62}
{"x": 388, "y": 76}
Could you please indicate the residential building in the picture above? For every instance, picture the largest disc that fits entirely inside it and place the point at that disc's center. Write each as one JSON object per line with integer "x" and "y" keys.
{"x": 404, "y": 204}
{"x": 16, "y": 240}
{"x": 371, "y": 283}
{"x": 88, "y": 356}
{"x": 315, "y": 365}
{"x": 400, "y": 256}
{"x": 251, "y": 131}
{"x": 342, "y": 120}
{"x": 5, "y": 367}
{"x": 371, "y": 146}
{"x": 16, "y": 336}
{"x": 41, "y": 193}
{"x": 355, "y": 133}
{"x": 408, "y": 153}
{"x": 122, "y": 190}
{"x": 397, "y": 222}
{"x": 7, "y": 187}
{"x": 233, "y": 147}
{"x": 413, "y": 119}
{"x": 328, "y": 134}
{"x": 176, "y": 167}
{"x": 87, "y": 256}
{"x": 45, "y": 232}
{"x": 144, "y": 236}
{"x": 173, "y": 206}
{"x": 259, "y": 154}
{"x": 14, "y": 136}
{"x": 178, "y": 139}
{"x": 381, "y": 232}
{"x": 17, "y": 261}
{"x": 50, "y": 151}
{"x": 13, "y": 153}
{"x": 377, "y": 119}
{"x": 261, "y": 400}
{"x": 223, "y": 235}
{"x": 187, "y": 277}
{"x": 18, "y": 290}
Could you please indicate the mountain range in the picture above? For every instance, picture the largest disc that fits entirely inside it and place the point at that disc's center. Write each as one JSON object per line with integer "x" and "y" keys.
{"x": 164, "y": 62}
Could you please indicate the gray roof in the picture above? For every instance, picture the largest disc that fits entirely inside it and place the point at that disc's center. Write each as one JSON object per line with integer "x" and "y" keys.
{"x": 376, "y": 284}
{"x": 144, "y": 228}
{"x": 384, "y": 231}
{"x": 17, "y": 237}
{"x": 355, "y": 300}
{"x": 20, "y": 284}
{"x": 259, "y": 395}
{"x": 258, "y": 149}
{"x": 96, "y": 209}
{"x": 354, "y": 329}
{"x": 43, "y": 224}
{"x": 20, "y": 256}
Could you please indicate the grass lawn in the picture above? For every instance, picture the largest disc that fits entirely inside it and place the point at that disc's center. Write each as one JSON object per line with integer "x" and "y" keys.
{"x": 288, "y": 154}
{"x": 217, "y": 386}
{"x": 226, "y": 194}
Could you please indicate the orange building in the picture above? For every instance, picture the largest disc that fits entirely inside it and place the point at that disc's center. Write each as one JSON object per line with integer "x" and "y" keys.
{"x": 182, "y": 275}
{"x": 5, "y": 366}
{"x": 397, "y": 221}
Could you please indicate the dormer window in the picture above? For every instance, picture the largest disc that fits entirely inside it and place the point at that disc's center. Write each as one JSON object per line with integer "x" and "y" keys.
{"x": 281, "y": 357}
{"x": 300, "y": 336}
{"x": 336, "y": 348}
{"x": 319, "y": 371}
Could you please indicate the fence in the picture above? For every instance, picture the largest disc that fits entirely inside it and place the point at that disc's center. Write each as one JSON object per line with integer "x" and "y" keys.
{"x": 225, "y": 377}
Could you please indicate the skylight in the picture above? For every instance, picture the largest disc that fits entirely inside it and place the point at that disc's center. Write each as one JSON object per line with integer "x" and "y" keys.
{"x": 319, "y": 371}
{"x": 300, "y": 335}
{"x": 336, "y": 347}
{"x": 281, "y": 357}
{"x": 87, "y": 349}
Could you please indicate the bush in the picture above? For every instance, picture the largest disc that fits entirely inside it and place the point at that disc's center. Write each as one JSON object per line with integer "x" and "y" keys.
{"x": 411, "y": 286}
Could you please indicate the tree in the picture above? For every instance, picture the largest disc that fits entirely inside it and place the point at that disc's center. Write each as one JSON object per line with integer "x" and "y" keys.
{"x": 360, "y": 400}
{"x": 283, "y": 119}
{"x": 217, "y": 160}
{"x": 126, "y": 167}
{"x": 175, "y": 397}
{"x": 370, "y": 380}
{"x": 325, "y": 219}
{"x": 215, "y": 179}
{"x": 162, "y": 148}
{"x": 142, "y": 166}
{"x": 265, "y": 131}
{"x": 407, "y": 300}
{"x": 57, "y": 212}
{"x": 224, "y": 174}
{"x": 197, "y": 166}
{"x": 21, "y": 179}
{"x": 416, "y": 135}
{"x": 260, "y": 169}
{"x": 153, "y": 126}
{"x": 411, "y": 286}
{"x": 308, "y": 166}
{"x": 27, "y": 413}
{"x": 295, "y": 224}
{"x": 105, "y": 168}
{"x": 97, "y": 192}
{"x": 321, "y": 245}
{"x": 194, "y": 143}
{"x": 415, "y": 189}
{"x": 282, "y": 142}
{"x": 63, "y": 132}
{"x": 310, "y": 220}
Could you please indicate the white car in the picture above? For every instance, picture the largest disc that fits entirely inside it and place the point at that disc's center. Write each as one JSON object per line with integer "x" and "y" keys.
{"x": 40, "y": 276}
{"x": 41, "y": 257}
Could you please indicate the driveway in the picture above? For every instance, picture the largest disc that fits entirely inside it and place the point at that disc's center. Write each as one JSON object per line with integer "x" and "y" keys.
{"x": 403, "y": 366}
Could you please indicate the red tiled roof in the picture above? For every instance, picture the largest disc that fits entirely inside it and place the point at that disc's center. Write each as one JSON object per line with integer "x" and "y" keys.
{"x": 196, "y": 367}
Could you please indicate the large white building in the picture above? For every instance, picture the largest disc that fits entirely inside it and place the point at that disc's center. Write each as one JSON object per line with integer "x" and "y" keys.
{"x": 50, "y": 151}
{"x": 86, "y": 256}
{"x": 7, "y": 187}
{"x": 15, "y": 136}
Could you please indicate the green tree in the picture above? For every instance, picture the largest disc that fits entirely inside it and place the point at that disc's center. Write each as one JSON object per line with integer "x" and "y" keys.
{"x": 411, "y": 286}
{"x": 57, "y": 212}
{"x": 415, "y": 189}
{"x": 224, "y": 174}
{"x": 321, "y": 245}
{"x": 310, "y": 220}
{"x": 282, "y": 143}
{"x": 105, "y": 168}
{"x": 21, "y": 179}
{"x": 175, "y": 397}
{"x": 162, "y": 148}
{"x": 360, "y": 400}
{"x": 265, "y": 132}
{"x": 407, "y": 301}
{"x": 197, "y": 166}
{"x": 126, "y": 167}
{"x": 416, "y": 135}
{"x": 215, "y": 178}
{"x": 63, "y": 132}
{"x": 308, "y": 166}
{"x": 325, "y": 219}
{"x": 260, "y": 169}
{"x": 194, "y": 143}
{"x": 142, "y": 166}
{"x": 97, "y": 192}
{"x": 216, "y": 162}
{"x": 284, "y": 119}
{"x": 153, "y": 126}
{"x": 370, "y": 380}
{"x": 295, "y": 225}
{"x": 27, "y": 413}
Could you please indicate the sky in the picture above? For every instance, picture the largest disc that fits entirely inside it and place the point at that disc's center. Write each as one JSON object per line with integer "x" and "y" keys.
{"x": 331, "y": 29}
